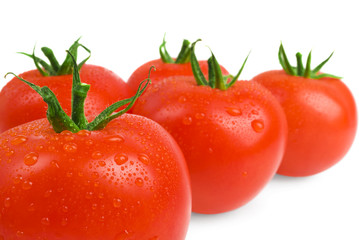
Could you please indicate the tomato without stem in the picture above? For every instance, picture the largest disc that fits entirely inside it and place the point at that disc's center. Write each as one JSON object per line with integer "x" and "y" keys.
{"x": 321, "y": 115}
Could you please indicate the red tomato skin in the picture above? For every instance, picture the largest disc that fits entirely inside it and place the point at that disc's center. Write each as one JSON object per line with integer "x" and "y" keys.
{"x": 229, "y": 162}
{"x": 163, "y": 71}
{"x": 20, "y": 104}
{"x": 322, "y": 121}
{"x": 128, "y": 181}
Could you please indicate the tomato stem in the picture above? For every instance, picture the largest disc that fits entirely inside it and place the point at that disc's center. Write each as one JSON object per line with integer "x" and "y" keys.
{"x": 216, "y": 79}
{"x": 183, "y": 56}
{"x": 300, "y": 70}
{"x": 54, "y": 68}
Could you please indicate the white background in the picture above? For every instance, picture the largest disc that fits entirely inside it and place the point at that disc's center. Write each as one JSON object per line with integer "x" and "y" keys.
{"x": 125, "y": 34}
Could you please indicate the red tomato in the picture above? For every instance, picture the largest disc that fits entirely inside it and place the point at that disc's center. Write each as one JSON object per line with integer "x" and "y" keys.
{"x": 233, "y": 140}
{"x": 127, "y": 181}
{"x": 20, "y": 104}
{"x": 321, "y": 115}
{"x": 322, "y": 120}
{"x": 164, "y": 70}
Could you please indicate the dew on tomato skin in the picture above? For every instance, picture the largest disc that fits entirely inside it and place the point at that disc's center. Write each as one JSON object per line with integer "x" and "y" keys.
{"x": 89, "y": 195}
{"x": 120, "y": 158}
{"x": 19, "y": 233}
{"x": 7, "y": 202}
{"x": 257, "y": 125}
{"x": 31, "y": 207}
{"x": 26, "y": 185}
{"x": 244, "y": 173}
{"x": 122, "y": 235}
{"x": 139, "y": 182}
{"x": 31, "y": 158}
{"x": 55, "y": 164}
{"x": 45, "y": 221}
{"x": 9, "y": 153}
{"x": 187, "y": 120}
{"x": 199, "y": 115}
{"x": 48, "y": 193}
{"x": 84, "y": 133}
{"x": 182, "y": 99}
{"x": 144, "y": 158}
{"x": 117, "y": 139}
{"x": 89, "y": 142}
{"x": 70, "y": 147}
{"x": 117, "y": 202}
{"x": 17, "y": 179}
{"x": 18, "y": 140}
{"x": 96, "y": 155}
{"x": 233, "y": 111}
{"x": 64, "y": 221}
{"x": 64, "y": 209}
{"x": 102, "y": 163}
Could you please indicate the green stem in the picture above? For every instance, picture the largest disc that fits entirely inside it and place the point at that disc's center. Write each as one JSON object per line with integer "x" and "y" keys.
{"x": 50, "y": 55}
{"x": 197, "y": 72}
{"x": 184, "y": 54}
{"x": 165, "y": 56}
{"x": 300, "y": 66}
{"x": 79, "y": 93}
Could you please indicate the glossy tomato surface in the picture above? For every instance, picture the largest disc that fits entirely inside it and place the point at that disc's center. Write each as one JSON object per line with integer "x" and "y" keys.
{"x": 233, "y": 140}
{"x": 20, "y": 104}
{"x": 128, "y": 181}
{"x": 163, "y": 71}
{"x": 322, "y": 120}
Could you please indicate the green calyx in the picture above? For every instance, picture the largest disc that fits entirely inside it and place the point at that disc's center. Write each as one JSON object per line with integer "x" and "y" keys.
{"x": 215, "y": 77}
{"x": 183, "y": 56}
{"x": 54, "y": 68}
{"x": 60, "y": 121}
{"x": 300, "y": 70}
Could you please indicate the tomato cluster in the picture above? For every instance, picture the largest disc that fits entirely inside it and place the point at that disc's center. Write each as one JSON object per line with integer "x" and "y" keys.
{"x": 198, "y": 139}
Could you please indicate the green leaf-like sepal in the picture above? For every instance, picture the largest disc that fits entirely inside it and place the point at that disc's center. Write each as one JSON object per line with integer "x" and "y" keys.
{"x": 183, "y": 56}
{"x": 306, "y": 72}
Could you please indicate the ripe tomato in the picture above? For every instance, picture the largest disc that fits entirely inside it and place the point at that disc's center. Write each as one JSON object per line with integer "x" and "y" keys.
{"x": 19, "y": 104}
{"x": 233, "y": 140}
{"x": 128, "y": 181}
{"x": 321, "y": 115}
{"x": 165, "y": 68}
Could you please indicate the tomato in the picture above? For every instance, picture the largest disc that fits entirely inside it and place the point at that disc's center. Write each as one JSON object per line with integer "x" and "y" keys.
{"x": 128, "y": 181}
{"x": 321, "y": 115}
{"x": 233, "y": 139}
{"x": 19, "y": 104}
{"x": 124, "y": 180}
{"x": 167, "y": 67}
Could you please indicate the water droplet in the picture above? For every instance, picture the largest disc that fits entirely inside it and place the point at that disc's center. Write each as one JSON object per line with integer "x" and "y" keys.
{"x": 102, "y": 163}
{"x": 10, "y": 153}
{"x": 89, "y": 142}
{"x": 120, "y": 158}
{"x": 89, "y": 195}
{"x": 26, "y": 185}
{"x": 244, "y": 173}
{"x": 45, "y": 221}
{"x": 257, "y": 125}
{"x": 31, "y": 207}
{"x": 233, "y": 111}
{"x": 69, "y": 138}
{"x": 182, "y": 99}
{"x": 19, "y": 233}
{"x": 117, "y": 202}
{"x": 31, "y": 158}
{"x": 84, "y": 133}
{"x": 95, "y": 175}
{"x": 55, "y": 164}
{"x": 17, "y": 179}
{"x": 210, "y": 150}
{"x": 70, "y": 147}
{"x": 187, "y": 120}
{"x": 199, "y": 115}
{"x": 122, "y": 235}
{"x": 7, "y": 202}
{"x": 64, "y": 221}
{"x": 18, "y": 140}
{"x": 154, "y": 238}
{"x": 144, "y": 158}
{"x": 48, "y": 193}
{"x": 117, "y": 139}
{"x": 64, "y": 209}
{"x": 139, "y": 182}
{"x": 96, "y": 155}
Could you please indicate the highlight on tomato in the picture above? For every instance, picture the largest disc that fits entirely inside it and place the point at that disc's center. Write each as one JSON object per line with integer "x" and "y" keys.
{"x": 232, "y": 133}
{"x": 168, "y": 67}
{"x": 19, "y": 104}
{"x": 320, "y": 111}
{"x": 120, "y": 176}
